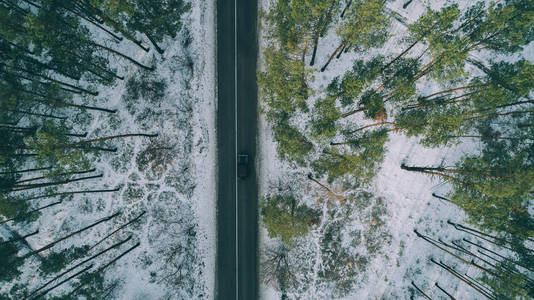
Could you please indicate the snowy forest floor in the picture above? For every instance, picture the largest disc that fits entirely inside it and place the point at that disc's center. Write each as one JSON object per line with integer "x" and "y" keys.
{"x": 378, "y": 232}
{"x": 171, "y": 177}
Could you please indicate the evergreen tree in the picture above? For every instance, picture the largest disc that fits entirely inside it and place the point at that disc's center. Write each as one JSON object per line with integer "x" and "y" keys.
{"x": 292, "y": 145}
{"x": 286, "y": 218}
{"x": 9, "y": 262}
{"x": 360, "y": 160}
{"x": 56, "y": 261}
{"x": 364, "y": 27}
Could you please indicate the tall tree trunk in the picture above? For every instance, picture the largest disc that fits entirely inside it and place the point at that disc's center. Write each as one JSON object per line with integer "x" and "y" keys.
{"x": 372, "y": 125}
{"x": 530, "y": 101}
{"x": 421, "y": 291}
{"x": 332, "y": 56}
{"x": 480, "y": 285}
{"x": 462, "y": 278}
{"x": 441, "y": 198}
{"x": 453, "y": 90}
{"x": 32, "y": 3}
{"x": 105, "y": 267}
{"x": 116, "y": 37}
{"x": 430, "y": 171}
{"x": 341, "y": 52}
{"x": 79, "y": 264}
{"x": 55, "y": 175}
{"x": 475, "y": 17}
{"x": 460, "y": 248}
{"x": 436, "y": 244}
{"x": 328, "y": 190}
{"x": 428, "y": 67}
{"x": 63, "y": 147}
{"x": 47, "y": 84}
{"x": 433, "y": 102}
{"x": 19, "y": 188}
{"x": 444, "y": 291}
{"x": 107, "y": 138}
{"x": 27, "y": 170}
{"x": 76, "y": 134}
{"x": 320, "y": 28}
{"x": 345, "y": 9}
{"x": 339, "y": 143}
{"x": 89, "y": 14}
{"x": 11, "y": 123}
{"x": 22, "y": 49}
{"x": 109, "y": 290}
{"x": 63, "y": 281}
{"x": 38, "y": 115}
{"x": 315, "y": 44}
{"x": 400, "y": 55}
{"x": 118, "y": 229}
{"x": 20, "y": 216}
{"x": 18, "y": 128}
{"x": 52, "y": 244}
{"x": 424, "y": 169}
{"x": 107, "y": 79}
{"x": 85, "y": 107}
{"x": 464, "y": 228}
{"x": 57, "y": 81}
{"x": 95, "y": 11}
{"x": 122, "y": 55}
{"x": 102, "y": 69}
{"x": 499, "y": 255}
{"x": 405, "y": 5}
{"x": 156, "y": 46}
{"x": 40, "y": 64}
{"x": 492, "y": 138}
{"x": 98, "y": 149}
{"x": 72, "y": 193}
{"x": 20, "y": 238}
{"x": 479, "y": 65}
{"x": 412, "y": 45}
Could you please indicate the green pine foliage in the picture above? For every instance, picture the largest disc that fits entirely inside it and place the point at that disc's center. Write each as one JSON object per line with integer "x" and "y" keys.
{"x": 365, "y": 26}
{"x": 57, "y": 261}
{"x": 325, "y": 114}
{"x": 292, "y": 145}
{"x": 361, "y": 159}
{"x": 284, "y": 217}
{"x": 495, "y": 188}
{"x": 9, "y": 262}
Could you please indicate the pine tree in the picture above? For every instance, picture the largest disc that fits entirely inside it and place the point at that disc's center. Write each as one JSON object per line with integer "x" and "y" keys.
{"x": 292, "y": 144}
{"x": 364, "y": 27}
{"x": 286, "y": 218}
{"x": 9, "y": 263}
{"x": 360, "y": 161}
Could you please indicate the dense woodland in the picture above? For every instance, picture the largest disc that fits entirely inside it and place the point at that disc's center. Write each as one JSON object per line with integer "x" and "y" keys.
{"x": 55, "y": 56}
{"x": 338, "y": 134}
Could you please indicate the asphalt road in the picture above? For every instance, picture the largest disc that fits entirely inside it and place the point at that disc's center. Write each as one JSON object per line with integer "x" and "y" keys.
{"x": 237, "y": 199}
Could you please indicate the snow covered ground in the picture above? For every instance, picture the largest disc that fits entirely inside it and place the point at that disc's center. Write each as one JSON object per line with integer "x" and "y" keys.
{"x": 401, "y": 257}
{"x": 171, "y": 177}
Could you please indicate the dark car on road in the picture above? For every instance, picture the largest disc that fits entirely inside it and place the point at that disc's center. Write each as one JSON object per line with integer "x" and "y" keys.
{"x": 242, "y": 165}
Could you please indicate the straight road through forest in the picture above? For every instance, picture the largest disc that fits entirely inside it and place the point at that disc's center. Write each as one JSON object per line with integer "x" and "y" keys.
{"x": 237, "y": 199}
